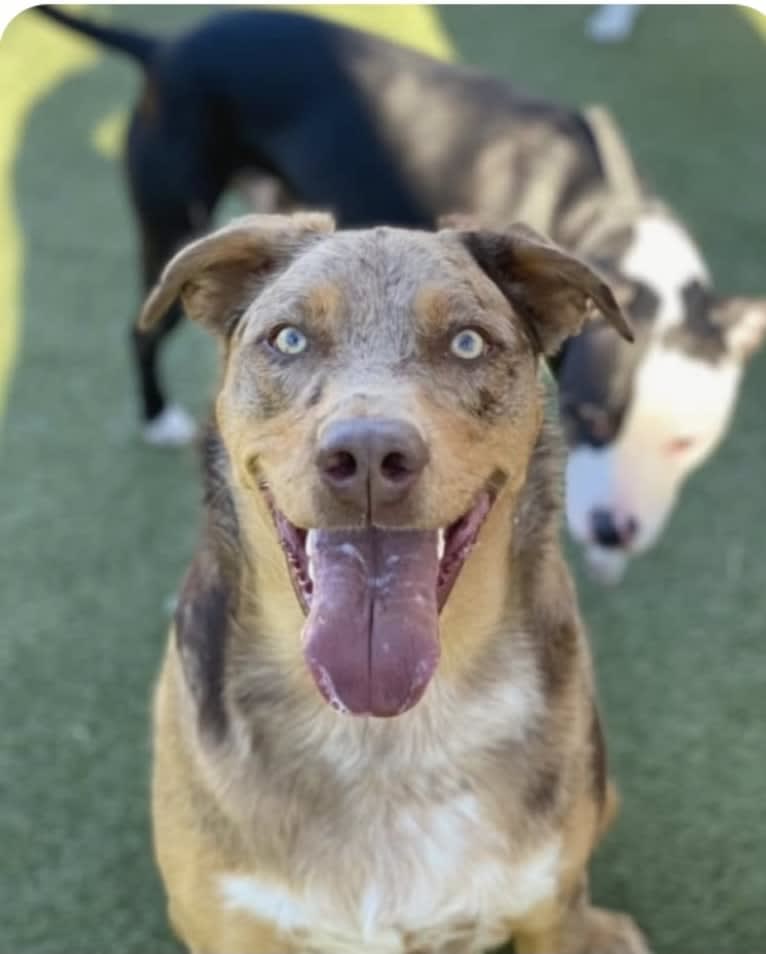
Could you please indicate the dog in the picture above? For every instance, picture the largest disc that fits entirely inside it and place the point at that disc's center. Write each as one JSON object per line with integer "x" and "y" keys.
{"x": 375, "y": 726}
{"x": 382, "y": 134}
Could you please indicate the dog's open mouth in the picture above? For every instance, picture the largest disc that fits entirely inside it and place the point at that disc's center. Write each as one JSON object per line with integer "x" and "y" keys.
{"x": 372, "y": 598}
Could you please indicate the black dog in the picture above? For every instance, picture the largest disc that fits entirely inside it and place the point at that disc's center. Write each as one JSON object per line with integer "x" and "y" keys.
{"x": 377, "y": 133}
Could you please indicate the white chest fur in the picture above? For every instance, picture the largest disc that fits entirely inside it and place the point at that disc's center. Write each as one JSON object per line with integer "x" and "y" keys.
{"x": 411, "y": 879}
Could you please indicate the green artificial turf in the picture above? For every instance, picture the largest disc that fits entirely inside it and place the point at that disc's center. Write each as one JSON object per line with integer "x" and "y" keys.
{"x": 96, "y": 529}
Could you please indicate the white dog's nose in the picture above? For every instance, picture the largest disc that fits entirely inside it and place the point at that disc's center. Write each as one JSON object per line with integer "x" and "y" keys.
{"x": 608, "y": 530}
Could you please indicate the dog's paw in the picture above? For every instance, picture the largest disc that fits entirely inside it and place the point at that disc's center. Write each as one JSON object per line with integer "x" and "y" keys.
{"x": 173, "y": 427}
{"x": 612, "y": 933}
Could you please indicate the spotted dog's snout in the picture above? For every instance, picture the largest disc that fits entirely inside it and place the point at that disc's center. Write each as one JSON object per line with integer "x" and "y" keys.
{"x": 371, "y": 463}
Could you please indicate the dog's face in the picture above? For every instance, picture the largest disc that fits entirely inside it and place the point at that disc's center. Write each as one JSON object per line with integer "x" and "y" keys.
{"x": 379, "y": 399}
{"x": 640, "y": 419}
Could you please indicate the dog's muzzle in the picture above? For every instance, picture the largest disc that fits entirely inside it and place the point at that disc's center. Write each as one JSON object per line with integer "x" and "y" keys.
{"x": 373, "y": 593}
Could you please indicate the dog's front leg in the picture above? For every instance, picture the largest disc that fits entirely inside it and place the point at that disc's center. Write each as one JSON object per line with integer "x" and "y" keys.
{"x": 579, "y": 928}
{"x": 242, "y": 936}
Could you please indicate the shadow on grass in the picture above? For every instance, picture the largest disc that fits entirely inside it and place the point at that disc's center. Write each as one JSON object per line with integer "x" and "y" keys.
{"x": 97, "y": 531}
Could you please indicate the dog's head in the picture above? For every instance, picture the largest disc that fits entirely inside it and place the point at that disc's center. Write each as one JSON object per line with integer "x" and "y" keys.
{"x": 379, "y": 406}
{"x": 639, "y": 420}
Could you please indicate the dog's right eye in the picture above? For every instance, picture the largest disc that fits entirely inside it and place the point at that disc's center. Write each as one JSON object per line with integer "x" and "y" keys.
{"x": 468, "y": 344}
{"x": 289, "y": 340}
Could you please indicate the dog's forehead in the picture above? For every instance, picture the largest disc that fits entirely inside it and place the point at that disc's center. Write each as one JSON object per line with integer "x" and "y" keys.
{"x": 388, "y": 259}
{"x": 370, "y": 269}
{"x": 663, "y": 262}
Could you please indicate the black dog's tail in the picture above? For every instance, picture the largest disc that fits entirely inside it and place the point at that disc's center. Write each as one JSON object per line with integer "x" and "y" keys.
{"x": 136, "y": 45}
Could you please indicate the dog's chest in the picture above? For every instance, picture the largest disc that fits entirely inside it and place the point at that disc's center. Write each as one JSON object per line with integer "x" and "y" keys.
{"x": 408, "y": 879}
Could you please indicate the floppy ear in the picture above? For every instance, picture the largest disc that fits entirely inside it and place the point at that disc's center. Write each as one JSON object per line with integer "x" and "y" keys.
{"x": 218, "y": 276}
{"x": 743, "y": 323}
{"x": 552, "y": 292}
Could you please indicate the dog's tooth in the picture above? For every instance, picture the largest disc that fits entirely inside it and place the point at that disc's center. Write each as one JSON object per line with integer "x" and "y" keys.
{"x": 440, "y": 544}
{"x": 310, "y": 569}
{"x": 310, "y": 544}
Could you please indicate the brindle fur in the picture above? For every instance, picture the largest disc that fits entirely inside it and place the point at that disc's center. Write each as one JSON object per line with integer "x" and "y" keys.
{"x": 254, "y": 775}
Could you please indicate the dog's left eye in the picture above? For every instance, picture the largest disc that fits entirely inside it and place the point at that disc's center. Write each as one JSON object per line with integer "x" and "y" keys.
{"x": 290, "y": 340}
{"x": 468, "y": 345}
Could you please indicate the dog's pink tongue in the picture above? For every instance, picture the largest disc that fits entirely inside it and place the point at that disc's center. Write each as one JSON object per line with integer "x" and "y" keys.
{"x": 371, "y": 638}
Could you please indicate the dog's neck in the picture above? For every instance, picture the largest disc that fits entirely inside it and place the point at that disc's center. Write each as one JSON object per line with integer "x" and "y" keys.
{"x": 598, "y": 205}
{"x": 610, "y": 196}
{"x": 596, "y": 225}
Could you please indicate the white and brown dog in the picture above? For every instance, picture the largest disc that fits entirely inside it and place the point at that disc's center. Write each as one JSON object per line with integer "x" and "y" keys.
{"x": 641, "y": 419}
{"x": 376, "y": 728}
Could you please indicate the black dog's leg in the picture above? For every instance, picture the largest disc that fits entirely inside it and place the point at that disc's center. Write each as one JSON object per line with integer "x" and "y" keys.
{"x": 164, "y": 423}
{"x": 175, "y": 181}
{"x": 146, "y": 346}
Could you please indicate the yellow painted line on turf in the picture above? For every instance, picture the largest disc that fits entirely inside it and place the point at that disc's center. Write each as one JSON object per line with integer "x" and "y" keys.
{"x": 108, "y": 134}
{"x": 34, "y": 57}
{"x": 757, "y": 17}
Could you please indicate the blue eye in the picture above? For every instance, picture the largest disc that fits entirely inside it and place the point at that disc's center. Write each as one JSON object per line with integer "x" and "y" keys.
{"x": 468, "y": 345}
{"x": 290, "y": 341}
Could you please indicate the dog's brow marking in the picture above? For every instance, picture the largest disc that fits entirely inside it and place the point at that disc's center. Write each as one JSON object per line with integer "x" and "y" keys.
{"x": 663, "y": 256}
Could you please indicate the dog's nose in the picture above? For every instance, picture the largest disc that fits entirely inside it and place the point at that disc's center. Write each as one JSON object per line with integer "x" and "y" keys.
{"x": 370, "y": 461}
{"x": 609, "y": 532}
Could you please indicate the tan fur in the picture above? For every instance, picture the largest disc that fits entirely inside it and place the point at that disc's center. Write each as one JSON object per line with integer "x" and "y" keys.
{"x": 280, "y": 825}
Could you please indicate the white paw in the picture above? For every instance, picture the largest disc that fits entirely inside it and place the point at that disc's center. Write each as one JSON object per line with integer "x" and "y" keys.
{"x": 174, "y": 427}
{"x": 612, "y": 22}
